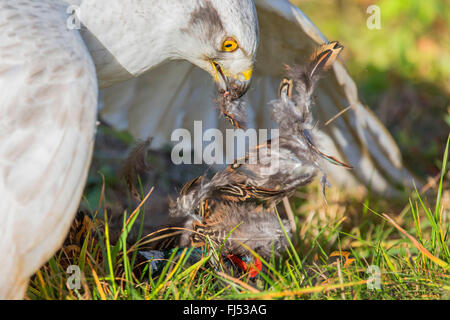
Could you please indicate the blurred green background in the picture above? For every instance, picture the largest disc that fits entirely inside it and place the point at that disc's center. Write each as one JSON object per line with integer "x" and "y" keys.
{"x": 402, "y": 70}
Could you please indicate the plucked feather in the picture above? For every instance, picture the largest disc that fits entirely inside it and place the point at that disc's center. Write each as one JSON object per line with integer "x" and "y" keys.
{"x": 233, "y": 110}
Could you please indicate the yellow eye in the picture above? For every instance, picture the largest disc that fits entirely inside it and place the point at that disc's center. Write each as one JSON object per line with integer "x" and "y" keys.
{"x": 229, "y": 45}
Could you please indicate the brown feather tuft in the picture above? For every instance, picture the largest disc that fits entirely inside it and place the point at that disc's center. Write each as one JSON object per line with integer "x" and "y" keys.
{"x": 136, "y": 165}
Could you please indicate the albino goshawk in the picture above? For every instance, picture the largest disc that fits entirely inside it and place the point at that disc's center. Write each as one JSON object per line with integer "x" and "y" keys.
{"x": 148, "y": 57}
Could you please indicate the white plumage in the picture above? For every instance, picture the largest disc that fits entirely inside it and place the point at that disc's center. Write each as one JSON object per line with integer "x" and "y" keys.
{"x": 49, "y": 78}
{"x": 48, "y": 99}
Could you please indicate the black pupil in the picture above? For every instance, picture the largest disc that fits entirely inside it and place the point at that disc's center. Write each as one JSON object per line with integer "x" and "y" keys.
{"x": 228, "y": 45}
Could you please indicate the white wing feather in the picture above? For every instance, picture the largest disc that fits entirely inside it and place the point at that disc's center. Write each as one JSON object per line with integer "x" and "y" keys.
{"x": 48, "y": 102}
{"x": 175, "y": 94}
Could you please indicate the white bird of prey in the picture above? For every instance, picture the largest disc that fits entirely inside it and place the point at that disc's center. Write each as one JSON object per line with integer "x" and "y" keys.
{"x": 50, "y": 77}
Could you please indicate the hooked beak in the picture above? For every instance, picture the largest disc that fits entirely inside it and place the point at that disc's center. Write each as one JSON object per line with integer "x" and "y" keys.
{"x": 235, "y": 85}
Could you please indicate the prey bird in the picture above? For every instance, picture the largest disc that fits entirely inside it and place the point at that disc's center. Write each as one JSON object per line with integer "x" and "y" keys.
{"x": 238, "y": 205}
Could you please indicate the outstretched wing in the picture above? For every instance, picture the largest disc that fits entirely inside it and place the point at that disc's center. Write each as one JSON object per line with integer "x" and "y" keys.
{"x": 48, "y": 105}
{"x": 175, "y": 94}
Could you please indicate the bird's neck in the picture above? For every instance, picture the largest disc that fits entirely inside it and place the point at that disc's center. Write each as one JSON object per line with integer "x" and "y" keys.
{"x": 127, "y": 37}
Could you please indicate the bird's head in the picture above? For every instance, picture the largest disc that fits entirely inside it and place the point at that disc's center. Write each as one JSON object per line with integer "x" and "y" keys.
{"x": 221, "y": 37}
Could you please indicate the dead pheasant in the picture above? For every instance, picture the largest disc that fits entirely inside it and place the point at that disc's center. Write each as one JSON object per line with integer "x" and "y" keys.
{"x": 237, "y": 205}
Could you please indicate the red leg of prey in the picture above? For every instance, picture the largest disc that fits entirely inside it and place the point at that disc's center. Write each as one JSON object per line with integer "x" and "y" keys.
{"x": 253, "y": 269}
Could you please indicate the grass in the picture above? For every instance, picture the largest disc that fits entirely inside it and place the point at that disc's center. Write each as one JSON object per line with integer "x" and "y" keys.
{"x": 406, "y": 252}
